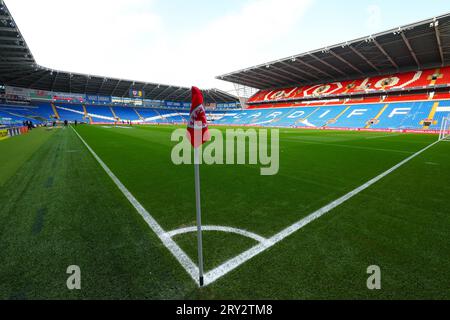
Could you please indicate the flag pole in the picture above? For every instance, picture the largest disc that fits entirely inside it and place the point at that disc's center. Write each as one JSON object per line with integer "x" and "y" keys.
{"x": 198, "y": 134}
{"x": 199, "y": 210}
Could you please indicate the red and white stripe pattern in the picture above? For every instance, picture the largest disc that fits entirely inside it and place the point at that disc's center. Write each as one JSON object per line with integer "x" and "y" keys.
{"x": 197, "y": 128}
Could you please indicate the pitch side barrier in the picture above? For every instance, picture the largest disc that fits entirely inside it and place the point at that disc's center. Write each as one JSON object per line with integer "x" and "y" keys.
{"x": 138, "y": 124}
{"x": 7, "y": 132}
{"x": 417, "y": 131}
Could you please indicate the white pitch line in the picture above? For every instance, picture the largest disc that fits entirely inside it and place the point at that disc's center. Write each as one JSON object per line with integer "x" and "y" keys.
{"x": 385, "y": 136}
{"x": 235, "y": 262}
{"x": 176, "y": 251}
{"x": 241, "y": 232}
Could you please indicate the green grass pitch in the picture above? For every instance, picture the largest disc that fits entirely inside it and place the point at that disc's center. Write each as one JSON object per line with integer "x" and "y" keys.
{"x": 58, "y": 207}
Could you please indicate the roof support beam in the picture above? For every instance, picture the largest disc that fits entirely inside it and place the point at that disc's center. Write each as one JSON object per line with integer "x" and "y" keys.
{"x": 20, "y": 59}
{"x": 327, "y": 64}
{"x": 300, "y": 70}
{"x": 144, "y": 89}
{"x": 257, "y": 79}
{"x": 346, "y": 62}
{"x": 359, "y": 54}
{"x": 39, "y": 79}
{"x": 16, "y": 72}
{"x": 315, "y": 68}
{"x": 10, "y": 38}
{"x": 225, "y": 97}
{"x": 275, "y": 75}
{"x": 439, "y": 42}
{"x": 211, "y": 96}
{"x": 13, "y": 46}
{"x": 86, "y": 84}
{"x": 153, "y": 90}
{"x": 244, "y": 80}
{"x": 296, "y": 76}
{"x": 173, "y": 93}
{"x": 11, "y": 54}
{"x": 5, "y": 71}
{"x": 21, "y": 76}
{"x": 378, "y": 45}
{"x": 411, "y": 51}
{"x": 18, "y": 63}
{"x": 101, "y": 86}
{"x": 27, "y": 75}
{"x": 181, "y": 95}
{"x": 6, "y": 29}
{"x": 128, "y": 90}
{"x": 54, "y": 81}
{"x": 163, "y": 92}
{"x": 115, "y": 87}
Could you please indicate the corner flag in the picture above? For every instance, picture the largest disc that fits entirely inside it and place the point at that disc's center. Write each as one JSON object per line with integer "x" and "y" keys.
{"x": 197, "y": 117}
{"x": 198, "y": 135}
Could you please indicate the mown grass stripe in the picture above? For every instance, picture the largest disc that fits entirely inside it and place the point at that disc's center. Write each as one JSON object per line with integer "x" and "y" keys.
{"x": 39, "y": 221}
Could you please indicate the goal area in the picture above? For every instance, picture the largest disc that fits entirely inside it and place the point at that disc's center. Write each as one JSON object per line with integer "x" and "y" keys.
{"x": 444, "y": 133}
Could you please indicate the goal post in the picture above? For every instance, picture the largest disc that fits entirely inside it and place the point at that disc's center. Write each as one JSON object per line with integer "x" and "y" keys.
{"x": 244, "y": 93}
{"x": 444, "y": 133}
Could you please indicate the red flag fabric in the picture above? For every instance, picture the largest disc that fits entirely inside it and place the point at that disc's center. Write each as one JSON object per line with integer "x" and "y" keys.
{"x": 197, "y": 116}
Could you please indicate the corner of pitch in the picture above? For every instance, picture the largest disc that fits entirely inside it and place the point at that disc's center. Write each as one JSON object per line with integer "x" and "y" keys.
{"x": 231, "y": 147}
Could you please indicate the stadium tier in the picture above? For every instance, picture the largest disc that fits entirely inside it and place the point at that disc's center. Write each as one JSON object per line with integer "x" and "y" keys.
{"x": 419, "y": 80}
{"x": 424, "y": 115}
{"x": 418, "y": 115}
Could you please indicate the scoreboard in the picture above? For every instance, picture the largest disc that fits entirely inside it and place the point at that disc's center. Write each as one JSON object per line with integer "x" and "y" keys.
{"x": 136, "y": 94}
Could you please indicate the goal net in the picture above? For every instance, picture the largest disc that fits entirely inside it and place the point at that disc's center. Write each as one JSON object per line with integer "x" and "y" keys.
{"x": 444, "y": 133}
{"x": 244, "y": 93}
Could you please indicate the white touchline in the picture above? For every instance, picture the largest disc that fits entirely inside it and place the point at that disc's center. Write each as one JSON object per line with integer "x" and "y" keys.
{"x": 233, "y": 263}
{"x": 264, "y": 243}
{"x": 177, "y": 252}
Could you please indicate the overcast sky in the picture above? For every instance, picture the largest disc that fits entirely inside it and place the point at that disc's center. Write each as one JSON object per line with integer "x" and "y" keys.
{"x": 190, "y": 42}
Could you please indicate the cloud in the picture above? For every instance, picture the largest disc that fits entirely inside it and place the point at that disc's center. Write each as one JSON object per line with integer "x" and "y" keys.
{"x": 130, "y": 39}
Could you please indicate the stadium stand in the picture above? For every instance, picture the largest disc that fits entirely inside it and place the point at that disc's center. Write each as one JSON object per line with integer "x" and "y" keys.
{"x": 405, "y": 81}
{"x": 100, "y": 114}
{"x": 406, "y": 86}
{"x": 394, "y": 115}
{"x": 126, "y": 114}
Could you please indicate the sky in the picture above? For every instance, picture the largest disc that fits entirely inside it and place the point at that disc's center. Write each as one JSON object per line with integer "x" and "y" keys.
{"x": 186, "y": 43}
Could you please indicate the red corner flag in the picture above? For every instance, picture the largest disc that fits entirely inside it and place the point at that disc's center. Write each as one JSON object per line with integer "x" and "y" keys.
{"x": 197, "y": 117}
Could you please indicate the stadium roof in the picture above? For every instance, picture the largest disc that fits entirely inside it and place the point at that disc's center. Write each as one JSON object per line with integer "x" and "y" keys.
{"x": 420, "y": 45}
{"x": 19, "y": 68}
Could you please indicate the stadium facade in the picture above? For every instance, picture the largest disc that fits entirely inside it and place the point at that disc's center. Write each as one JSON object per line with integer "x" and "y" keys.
{"x": 395, "y": 80}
